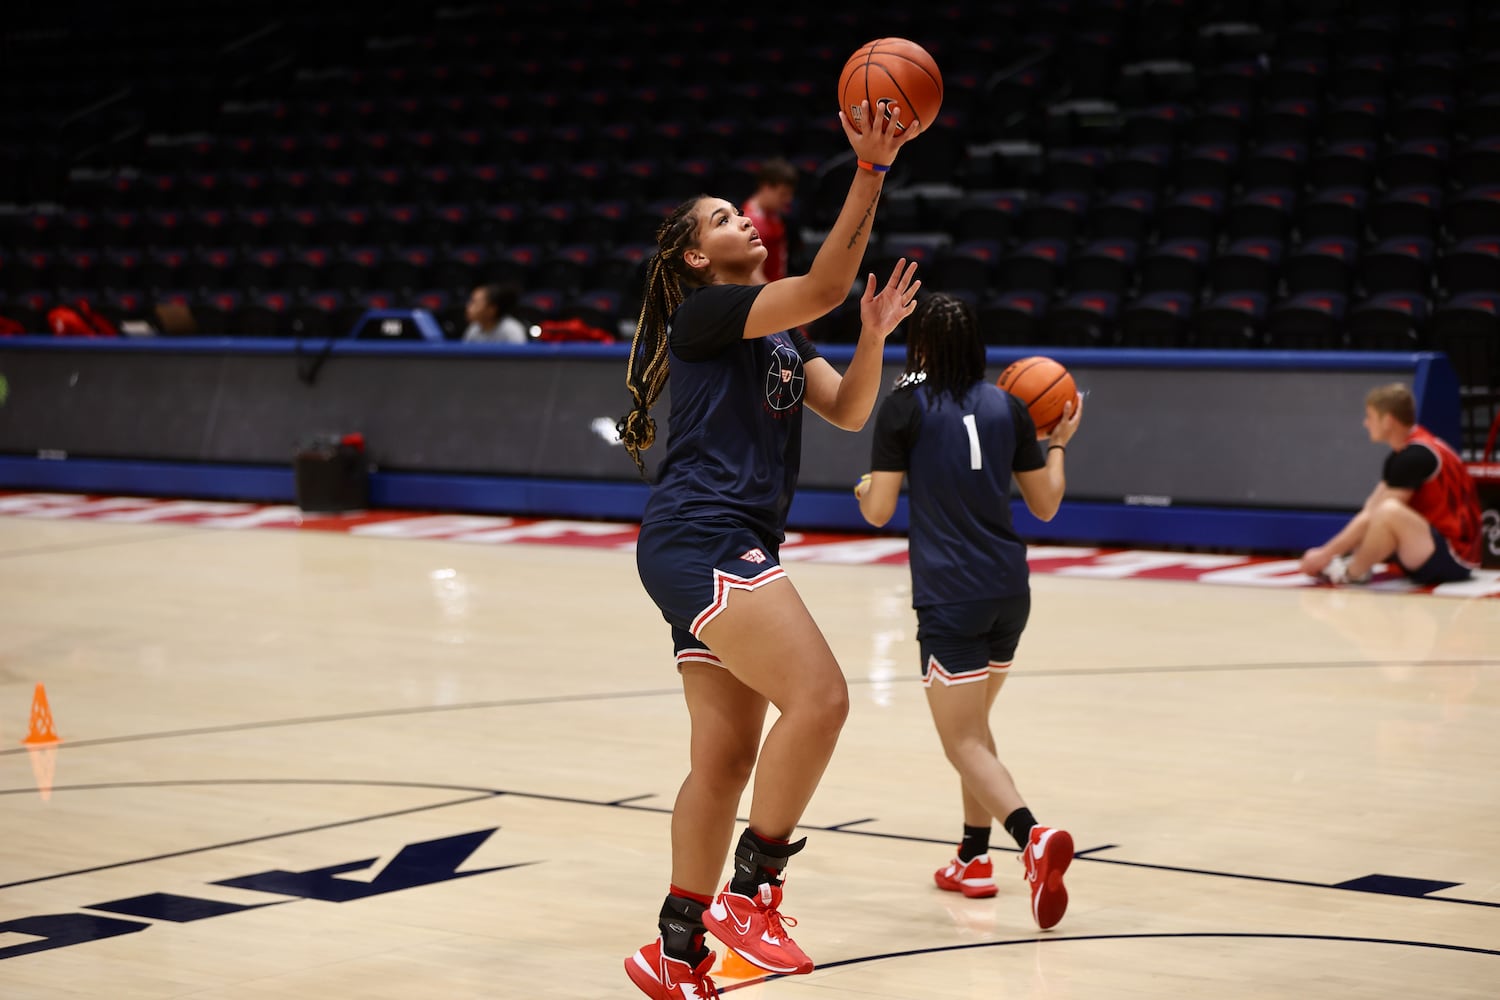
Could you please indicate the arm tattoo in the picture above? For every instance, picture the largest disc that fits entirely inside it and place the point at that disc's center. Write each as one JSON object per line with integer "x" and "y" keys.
{"x": 859, "y": 230}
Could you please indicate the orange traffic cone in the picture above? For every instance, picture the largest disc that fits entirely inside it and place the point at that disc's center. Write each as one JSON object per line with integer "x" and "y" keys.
{"x": 735, "y": 967}
{"x": 41, "y": 732}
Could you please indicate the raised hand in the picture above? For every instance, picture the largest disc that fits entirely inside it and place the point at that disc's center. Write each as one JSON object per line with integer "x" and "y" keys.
{"x": 883, "y": 312}
{"x": 881, "y": 140}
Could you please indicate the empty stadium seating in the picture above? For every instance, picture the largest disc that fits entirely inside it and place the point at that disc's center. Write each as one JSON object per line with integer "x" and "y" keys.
{"x": 1108, "y": 172}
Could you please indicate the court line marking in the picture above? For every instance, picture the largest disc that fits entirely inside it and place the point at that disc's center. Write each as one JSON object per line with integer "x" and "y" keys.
{"x": 486, "y": 794}
{"x": 1208, "y": 668}
{"x": 387, "y": 713}
{"x": 376, "y": 713}
{"x": 627, "y": 803}
{"x": 42, "y": 550}
{"x": 1051, "y": 939}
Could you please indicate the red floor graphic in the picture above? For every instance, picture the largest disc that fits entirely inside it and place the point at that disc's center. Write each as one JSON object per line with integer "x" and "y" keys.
{"x": 1074, "y": 561}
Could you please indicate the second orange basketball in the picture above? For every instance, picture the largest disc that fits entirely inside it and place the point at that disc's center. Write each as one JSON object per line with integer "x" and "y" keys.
{"x": 1043, "y": 385}
{"x": 892, "y": 71}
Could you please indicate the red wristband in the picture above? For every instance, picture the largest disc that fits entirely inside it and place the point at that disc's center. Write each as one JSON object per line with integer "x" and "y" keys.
{"x": 874, "y": 168}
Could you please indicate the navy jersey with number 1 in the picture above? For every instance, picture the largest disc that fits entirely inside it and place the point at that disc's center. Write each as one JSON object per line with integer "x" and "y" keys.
{"x": 958, "y": 458}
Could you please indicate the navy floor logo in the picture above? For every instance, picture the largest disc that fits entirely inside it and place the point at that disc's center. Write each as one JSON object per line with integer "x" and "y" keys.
{"x": 425, "y": 863}
{"x": 784, "y": 379}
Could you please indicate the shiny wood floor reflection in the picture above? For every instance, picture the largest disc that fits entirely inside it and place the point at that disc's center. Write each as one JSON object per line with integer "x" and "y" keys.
{"x": 298, "y": 764}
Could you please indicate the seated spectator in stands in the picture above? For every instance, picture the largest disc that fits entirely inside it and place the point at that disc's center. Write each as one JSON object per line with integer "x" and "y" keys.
{"x": 776, "y": 184}
{"x": 489, "y": 316}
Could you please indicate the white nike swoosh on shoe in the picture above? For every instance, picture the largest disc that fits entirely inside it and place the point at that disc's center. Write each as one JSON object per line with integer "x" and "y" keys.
{"x": 689, "y": 991}
{"x": 720, "y": 912}
{"x": 1040, "y": 847}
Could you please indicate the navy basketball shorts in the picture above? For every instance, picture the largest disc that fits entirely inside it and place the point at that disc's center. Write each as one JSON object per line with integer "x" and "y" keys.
{"x": 967, "y": 642}
{"x": 1441, "y": 567}
{"x": 689, "y": 569}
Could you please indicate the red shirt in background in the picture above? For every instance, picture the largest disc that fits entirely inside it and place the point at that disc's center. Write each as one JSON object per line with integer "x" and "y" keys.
{"x": 1448, "y": 499}
{"x": 772, "y": 232}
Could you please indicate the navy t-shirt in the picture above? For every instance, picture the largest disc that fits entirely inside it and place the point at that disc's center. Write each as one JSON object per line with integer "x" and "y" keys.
{"x": 958, "y": 458}
{"x": 734, "y": 448}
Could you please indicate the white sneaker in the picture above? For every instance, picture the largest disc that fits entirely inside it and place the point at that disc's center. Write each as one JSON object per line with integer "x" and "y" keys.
{"x": 1338, "y": 572}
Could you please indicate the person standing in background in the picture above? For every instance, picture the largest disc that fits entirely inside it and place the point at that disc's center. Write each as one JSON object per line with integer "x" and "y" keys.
{"x": 766, "y": 209}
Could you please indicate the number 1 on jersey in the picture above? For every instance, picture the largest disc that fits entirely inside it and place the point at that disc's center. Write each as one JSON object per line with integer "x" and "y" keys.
{"x": 976, "y": 460}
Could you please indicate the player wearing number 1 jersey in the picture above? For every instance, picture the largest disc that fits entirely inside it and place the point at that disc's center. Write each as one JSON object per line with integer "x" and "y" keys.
{"x": 958, "y": 439}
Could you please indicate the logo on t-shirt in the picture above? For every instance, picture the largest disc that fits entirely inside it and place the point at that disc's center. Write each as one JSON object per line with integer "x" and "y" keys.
{"x": 784, "y": 379}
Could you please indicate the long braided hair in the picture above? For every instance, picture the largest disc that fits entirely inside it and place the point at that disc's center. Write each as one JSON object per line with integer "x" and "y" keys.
{"x": 944, "y": 348}
{"x": 646, "y": 376}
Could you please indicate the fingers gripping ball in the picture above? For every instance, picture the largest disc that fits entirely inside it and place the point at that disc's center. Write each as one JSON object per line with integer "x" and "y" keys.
{"x": 1043, "y": 385}
{"x": 891, "y": 71}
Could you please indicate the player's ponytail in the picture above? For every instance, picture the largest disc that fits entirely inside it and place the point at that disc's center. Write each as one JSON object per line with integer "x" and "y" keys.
{"x": 646, "y": 376}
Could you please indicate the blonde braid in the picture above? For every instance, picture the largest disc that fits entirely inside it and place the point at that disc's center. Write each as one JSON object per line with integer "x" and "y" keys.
{"x": 647, "y": 372}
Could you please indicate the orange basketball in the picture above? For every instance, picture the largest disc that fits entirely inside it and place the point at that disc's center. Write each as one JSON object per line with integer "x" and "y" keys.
{"x": 1043, "y": 385}
{"x": 891, "y": 71}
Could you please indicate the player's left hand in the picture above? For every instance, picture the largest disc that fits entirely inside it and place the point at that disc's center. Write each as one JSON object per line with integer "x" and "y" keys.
{"x": 882, "y": 313}
{"x": 1068, "y": 425}
{"x": 1315, "y": 560}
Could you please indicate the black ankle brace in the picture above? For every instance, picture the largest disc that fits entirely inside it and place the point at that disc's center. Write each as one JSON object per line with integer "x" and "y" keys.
{"x": 758, "y": 861}
{"x": 681, "y": 924}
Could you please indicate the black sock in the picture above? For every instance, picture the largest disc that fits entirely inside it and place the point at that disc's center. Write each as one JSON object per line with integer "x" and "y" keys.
{"x": 681, "y": 926}
{"x": 758, "y": 861}
{"x": 976, "y": 842}
{"x": 1018, "y": 824}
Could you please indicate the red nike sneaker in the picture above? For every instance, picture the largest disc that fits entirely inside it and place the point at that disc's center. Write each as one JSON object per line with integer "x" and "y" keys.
{"x": 754, "y": 927}
{"x": 975, "y": 879}
{"x": 662, "y": 977}
{"x": 1046, "y": 857}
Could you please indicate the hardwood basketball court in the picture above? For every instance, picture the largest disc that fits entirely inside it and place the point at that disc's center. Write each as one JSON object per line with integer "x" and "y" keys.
{"x": 332, "y": 764}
